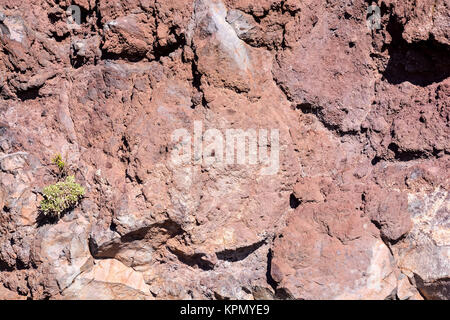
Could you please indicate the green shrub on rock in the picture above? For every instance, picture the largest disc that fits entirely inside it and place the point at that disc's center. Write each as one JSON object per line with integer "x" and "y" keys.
{"x": 58, "y": 160}
{"x": 61, "y": 196}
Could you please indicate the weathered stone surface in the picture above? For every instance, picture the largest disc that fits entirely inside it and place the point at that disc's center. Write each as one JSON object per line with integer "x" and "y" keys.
{"x": 328, "y": 252}
{"x": 6, "y": 294}
{"x": 405, "y": 290}
{"x": 389, "y": 211}
{"x": 356, "y": 206}
{"x": 424, "y": 253}
{"x": 98, "y": 290}
{"x": 114, "y": 279}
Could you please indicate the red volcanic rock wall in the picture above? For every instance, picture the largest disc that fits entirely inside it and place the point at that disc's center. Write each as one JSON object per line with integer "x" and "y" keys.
{"x": 357, "y": 203}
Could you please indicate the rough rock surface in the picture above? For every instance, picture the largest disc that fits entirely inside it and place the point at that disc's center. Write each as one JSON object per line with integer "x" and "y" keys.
{"x": 358, "y": 208}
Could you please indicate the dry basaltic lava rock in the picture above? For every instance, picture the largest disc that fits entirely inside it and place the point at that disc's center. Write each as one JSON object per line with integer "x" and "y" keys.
{"x": 343, "y": 193}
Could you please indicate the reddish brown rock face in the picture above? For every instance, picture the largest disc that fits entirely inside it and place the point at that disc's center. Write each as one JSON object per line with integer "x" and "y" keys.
{"x": 341, "y": 190}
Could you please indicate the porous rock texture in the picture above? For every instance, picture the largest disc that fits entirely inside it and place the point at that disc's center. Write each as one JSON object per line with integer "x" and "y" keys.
{"x": 359, "y": 208}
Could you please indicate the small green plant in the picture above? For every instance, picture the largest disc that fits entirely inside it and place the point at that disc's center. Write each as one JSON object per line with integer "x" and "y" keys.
{"x": 61, "y": 196}
{"x": 57, "y": 159}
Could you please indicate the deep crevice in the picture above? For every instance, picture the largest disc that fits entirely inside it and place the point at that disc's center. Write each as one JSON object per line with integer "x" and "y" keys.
{"x": 29, "y": 94}
{"x": 5, "y": 267}
{"x": 60, "y": 38}
{"x": 269, "y": 278}
{"x": 439, "y": 289}
{"x": 130, "y": 57}
{"x": 293, "y": 201}
{"x": 409, "y": 155}
{"x": 196, "y": 82}
{"x": 239, "y": 254}
{"x": 421, "y": 63}
{"x": 110, "y": 249}
{"x": 194, "y": 260}
{"x": 375, "y": 160}
{"x": 165, "y": 51}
